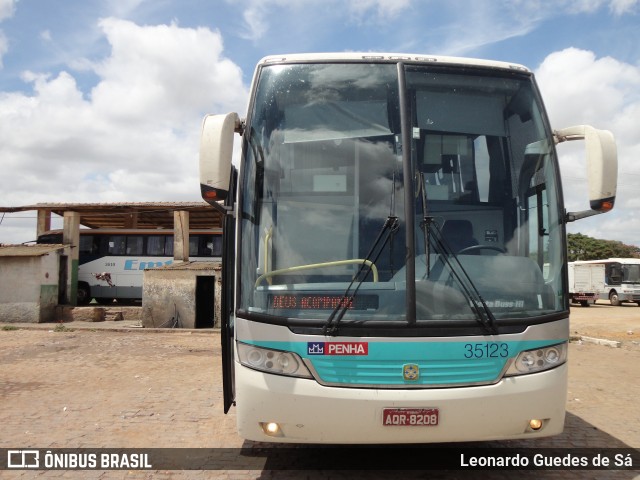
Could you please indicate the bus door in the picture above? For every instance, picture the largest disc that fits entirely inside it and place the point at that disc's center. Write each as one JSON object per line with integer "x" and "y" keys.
{"x": 227, "y": 311}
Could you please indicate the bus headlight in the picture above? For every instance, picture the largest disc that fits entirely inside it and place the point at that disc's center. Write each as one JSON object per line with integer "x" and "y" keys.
{"x": 538, "y": 359}
{"x": 272, "y": 361}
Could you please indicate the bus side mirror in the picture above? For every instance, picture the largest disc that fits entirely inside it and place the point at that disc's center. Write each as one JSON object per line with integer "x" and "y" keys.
{"x": 216, "y": 151}
{"x": 602, "y": 167}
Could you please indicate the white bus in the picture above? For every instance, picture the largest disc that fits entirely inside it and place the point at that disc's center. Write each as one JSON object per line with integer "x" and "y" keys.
{"x": 621, "y": 280}
{"x": 394, "y": 254}
{"x": 111, "y": 262}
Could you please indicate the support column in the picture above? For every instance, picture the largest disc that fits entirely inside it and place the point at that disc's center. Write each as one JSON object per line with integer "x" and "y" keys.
{"x": 181, "y": 236}
{"x": 71, "y": 236}
{"x": 131, "y": 220}
{"x": 44, "y": 222}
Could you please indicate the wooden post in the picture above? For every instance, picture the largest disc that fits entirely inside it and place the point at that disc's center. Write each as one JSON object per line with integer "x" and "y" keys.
{"x": 181, "y": 236}
{"x": 71, "y": 236}
{"x": 44, "y": 222}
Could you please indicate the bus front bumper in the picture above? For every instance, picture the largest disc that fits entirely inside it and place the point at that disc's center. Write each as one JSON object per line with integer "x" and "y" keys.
{"x": 307, "y": 412}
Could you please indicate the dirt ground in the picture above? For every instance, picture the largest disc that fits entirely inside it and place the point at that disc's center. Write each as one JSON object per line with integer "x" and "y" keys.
{"x": 80, "y": 385}
{"x": 605, "y": 321}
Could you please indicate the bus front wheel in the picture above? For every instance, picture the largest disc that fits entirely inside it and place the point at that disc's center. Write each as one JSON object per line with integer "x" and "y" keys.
{"x": 614, "y": 299}
{"x": 83, "y": 296}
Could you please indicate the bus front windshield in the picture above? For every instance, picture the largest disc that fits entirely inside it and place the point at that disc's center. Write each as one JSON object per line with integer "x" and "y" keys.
{"x": 339, "y": 213}
{"x": 631, "y": 273}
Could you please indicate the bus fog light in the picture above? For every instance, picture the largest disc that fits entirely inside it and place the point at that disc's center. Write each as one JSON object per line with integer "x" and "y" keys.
{"x": 535, "y": 424}
{"x": 271, "y": 428}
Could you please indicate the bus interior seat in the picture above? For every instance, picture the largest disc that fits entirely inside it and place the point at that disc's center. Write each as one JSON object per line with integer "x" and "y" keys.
{"x": 458, "y": 234}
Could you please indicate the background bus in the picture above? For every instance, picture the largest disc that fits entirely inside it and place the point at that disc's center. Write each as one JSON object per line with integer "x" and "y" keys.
{"x": 394, "y": 266}
{"x": 622, "y": 280}
{"x": 112, "y": 262}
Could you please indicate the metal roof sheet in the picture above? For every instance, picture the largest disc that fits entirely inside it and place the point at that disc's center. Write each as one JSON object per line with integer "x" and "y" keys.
{"x": 131, "y": 215}
{"x": 28, "y": 250}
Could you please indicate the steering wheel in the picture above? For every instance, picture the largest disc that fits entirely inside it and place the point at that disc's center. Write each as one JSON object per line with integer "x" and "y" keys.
{"x": 475, "y": 248}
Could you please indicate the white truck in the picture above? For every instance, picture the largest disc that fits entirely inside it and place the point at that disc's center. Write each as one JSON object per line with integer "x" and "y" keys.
{"x": 586, "y": 282}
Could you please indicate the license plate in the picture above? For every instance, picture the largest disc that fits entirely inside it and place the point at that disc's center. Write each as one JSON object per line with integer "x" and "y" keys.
{"x": 410, "y": 417}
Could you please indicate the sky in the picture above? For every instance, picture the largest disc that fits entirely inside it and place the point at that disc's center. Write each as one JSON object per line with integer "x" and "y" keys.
{"x": 102, "y": 100}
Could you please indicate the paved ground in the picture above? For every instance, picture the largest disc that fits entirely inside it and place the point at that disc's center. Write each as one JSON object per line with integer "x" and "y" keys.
{"x": 110, "y": 385}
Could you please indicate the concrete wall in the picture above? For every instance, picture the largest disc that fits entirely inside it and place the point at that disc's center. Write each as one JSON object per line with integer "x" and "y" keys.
{"x": 169, "y": 294}
{"x": 29, "y": 287}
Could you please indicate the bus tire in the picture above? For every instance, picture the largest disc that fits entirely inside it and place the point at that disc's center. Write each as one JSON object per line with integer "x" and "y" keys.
{"x": 614, "y": 299}
{"x": 83, "y": 296}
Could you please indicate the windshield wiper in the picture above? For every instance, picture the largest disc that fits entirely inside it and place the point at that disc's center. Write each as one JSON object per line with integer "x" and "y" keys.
{"x": 390, "y": 227}
{"x": 432, "y": 234}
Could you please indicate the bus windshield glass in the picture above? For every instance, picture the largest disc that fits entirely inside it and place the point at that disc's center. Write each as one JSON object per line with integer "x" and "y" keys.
{"x": 631, "y": 273}
{"x": 329, "y": 166}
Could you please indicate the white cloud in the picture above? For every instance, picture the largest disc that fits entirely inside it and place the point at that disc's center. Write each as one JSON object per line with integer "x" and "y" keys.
{"x": 135, "y": 136}
{"x": 4, "y": 46}
{"x": 488, "y": 22}
{"x": 383, "y": 8}
{"x": 256, "y": 13}
{"x": 7, "y": 9}
{"x": 45, "y": 35}
{"x": 579, "y": 88}
{"x": 620, "y": 7}
{"x": 255, "y": 19}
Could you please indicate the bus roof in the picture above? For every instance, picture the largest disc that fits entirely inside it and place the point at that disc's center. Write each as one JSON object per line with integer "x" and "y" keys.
{"x": 610, "y": 260}
{"x": 133, "y": 231}
{"x": 390, "y": 57}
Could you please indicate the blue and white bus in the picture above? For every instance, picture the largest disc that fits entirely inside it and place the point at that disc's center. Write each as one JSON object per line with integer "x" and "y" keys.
{"x": 112, "y": 261}
{"x": 394, "y": 253}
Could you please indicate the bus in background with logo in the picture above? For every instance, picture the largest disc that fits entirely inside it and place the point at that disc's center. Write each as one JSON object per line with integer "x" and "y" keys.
{"x": 112, "y": 261}
{"x": 394, "y": 251}
{"x": 621, "y": 279}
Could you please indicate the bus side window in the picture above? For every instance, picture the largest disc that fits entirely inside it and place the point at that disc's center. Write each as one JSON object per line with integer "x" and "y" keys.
{"x": 116, "y": 245}
{"x": 155, "y": 245}
{"x": 217, "y": 245}
{"x": 168, "y": 245}
{"x": 88, "y": 245}
{"x": 134, "y": 245}
{"x": 194, "y": 246}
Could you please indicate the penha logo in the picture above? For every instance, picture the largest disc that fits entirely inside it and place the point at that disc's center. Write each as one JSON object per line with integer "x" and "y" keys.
{"x": 337, "y": 348}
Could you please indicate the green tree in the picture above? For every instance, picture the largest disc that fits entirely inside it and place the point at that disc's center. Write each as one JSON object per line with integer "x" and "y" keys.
{"x": 583, "y": 247}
